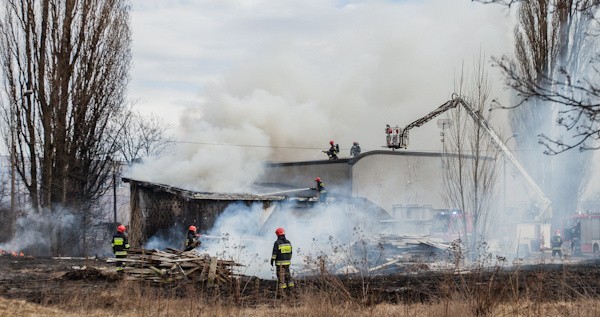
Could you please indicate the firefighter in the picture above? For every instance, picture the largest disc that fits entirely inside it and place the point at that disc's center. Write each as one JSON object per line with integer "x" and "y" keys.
{"x": 388, "y": 134}
{"x": 193, "y": 239}
{"x": 333, "y": 151}
{"x": 282, "y": 257}
{"x": 355, "y": 149}
{"x": 320, "y": 188}
{"x": 120, "y": 246}
{"x": 556, "y": 243}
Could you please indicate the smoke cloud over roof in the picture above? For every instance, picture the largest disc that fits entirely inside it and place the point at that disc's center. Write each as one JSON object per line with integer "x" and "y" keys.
{"x": 278, "y": 81}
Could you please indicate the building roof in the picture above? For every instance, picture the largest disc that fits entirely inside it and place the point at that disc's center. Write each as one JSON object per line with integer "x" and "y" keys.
{"x": 194, "y": 195}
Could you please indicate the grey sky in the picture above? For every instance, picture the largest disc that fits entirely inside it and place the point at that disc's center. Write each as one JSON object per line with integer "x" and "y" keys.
{"x": 180, "y": 46}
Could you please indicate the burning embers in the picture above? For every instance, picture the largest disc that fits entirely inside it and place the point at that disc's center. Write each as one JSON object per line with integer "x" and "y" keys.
{"x": 11, "y": 253}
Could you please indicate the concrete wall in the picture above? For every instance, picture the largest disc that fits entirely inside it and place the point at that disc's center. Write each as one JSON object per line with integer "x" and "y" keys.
{"x": 398, "y": 178}
{"x": 385, "y": 178}
{"x": 335, "y": 174}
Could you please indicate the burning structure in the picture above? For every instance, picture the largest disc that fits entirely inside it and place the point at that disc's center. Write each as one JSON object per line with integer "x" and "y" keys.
{"x": 373, "y": 183}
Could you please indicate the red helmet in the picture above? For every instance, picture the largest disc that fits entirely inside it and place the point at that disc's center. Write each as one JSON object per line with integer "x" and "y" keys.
{"x": 279, "y": 231}
{"x": 317, "y": 179}
{"x": 121, "y": 228}
{"x": 331, "y": 142}
{"x": 192, "y": 228}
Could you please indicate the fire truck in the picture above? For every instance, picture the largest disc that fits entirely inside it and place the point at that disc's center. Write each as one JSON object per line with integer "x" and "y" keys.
{"x": 582, "y": 233}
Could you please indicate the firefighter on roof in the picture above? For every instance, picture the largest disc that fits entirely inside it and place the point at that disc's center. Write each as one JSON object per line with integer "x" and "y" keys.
{"x": 355, "y": 149}
{"x": 120, "y": 246}
{"x": 333, "y": 151}
{"x": 321, "y": 191}
{"x": 193, "y": 239}
{"x": 556, "y": 243}
{"x": 282, "y": 258}
{"x": 388, "y": 134}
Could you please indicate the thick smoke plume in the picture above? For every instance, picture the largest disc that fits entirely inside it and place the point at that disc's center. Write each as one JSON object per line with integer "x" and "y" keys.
{"x": 328, "y": 71}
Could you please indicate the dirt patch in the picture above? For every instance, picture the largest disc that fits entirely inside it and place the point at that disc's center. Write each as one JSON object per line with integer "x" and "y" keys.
{"x": 90, "y": 274}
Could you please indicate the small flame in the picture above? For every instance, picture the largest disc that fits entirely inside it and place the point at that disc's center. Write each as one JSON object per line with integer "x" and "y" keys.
{"x": 11, "y": 253}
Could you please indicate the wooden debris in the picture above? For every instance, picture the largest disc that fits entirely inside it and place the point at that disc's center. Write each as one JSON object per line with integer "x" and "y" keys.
{"x": 174, "y": 265}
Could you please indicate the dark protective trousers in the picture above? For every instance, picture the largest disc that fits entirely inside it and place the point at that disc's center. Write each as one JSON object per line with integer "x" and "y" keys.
{"x": 119, "y": 264}
{"x": 284, "y": 277}
{"x": 555, "y": 251}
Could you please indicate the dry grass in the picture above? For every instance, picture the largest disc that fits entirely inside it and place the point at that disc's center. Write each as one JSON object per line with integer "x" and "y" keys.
{"x": 137, "y": 299}
{"x": 484, "y": 292}
{"x": 308, "y": 305}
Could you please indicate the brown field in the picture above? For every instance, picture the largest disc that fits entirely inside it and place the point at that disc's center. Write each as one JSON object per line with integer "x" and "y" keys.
{"x": 32, "y": 286}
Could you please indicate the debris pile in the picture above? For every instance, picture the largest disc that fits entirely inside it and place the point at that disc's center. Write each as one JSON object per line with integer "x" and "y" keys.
{"x": 173, "y": 266}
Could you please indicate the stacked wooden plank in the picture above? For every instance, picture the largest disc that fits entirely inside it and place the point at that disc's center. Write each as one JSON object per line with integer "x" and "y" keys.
{"x": 173, "y": 265}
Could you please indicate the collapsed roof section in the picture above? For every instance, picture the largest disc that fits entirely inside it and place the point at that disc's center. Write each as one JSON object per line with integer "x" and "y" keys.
{"x": 193, "y": 195}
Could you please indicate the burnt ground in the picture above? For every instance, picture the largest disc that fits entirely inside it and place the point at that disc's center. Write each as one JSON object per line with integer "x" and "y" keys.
{"x": 49, "y": 280}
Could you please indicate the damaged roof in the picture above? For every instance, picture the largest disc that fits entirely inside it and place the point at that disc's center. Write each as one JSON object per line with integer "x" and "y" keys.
{"x": 189, "y": 194}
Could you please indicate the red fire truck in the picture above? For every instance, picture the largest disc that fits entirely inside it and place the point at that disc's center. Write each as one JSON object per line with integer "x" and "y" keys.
{"x": 582, "y": 231}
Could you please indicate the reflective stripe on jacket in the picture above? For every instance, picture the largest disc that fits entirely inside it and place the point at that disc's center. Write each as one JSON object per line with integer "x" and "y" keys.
{"x": 282, "y": 251}
{"x": 120, "y": 244}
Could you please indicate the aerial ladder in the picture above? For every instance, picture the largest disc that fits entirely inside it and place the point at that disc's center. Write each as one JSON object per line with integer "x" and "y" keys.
{"x": 400, "y": 141}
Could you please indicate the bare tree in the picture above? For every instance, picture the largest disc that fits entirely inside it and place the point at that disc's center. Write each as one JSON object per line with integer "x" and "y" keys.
{"x": 554, "y": 75}
{"x": 469, "y": 163}
{"x": 65, "y": 67}
{"x": 141, "y": 136}
{"x": 555, "y": 71}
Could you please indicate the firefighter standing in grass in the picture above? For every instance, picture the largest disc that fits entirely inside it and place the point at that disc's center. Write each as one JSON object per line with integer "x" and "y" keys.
{"x": 556, "y": 243}
{"x": 282, "y": 257}
{"x": 192, "y": 240}
{"x": 120, "y": 246}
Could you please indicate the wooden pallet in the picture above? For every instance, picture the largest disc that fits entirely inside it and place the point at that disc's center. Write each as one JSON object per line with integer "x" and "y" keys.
{"x": 173, "y": 265}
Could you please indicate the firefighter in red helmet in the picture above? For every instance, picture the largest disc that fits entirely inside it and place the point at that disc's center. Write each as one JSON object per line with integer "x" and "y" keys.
{"x": 333, "y": 151}
{"x": 193, "y": 239}
{"x": 282, "y": 257}
{"x": 120, "y": 245}
{"x": 321, "y": 191}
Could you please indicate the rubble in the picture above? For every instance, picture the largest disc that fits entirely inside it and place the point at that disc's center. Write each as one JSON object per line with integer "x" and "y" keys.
{"x": 172, "y": 266}
{"x": 412, "y": 254}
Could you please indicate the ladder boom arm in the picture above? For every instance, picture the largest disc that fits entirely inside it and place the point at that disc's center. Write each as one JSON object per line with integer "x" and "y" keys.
{"x": 480, "y": 120}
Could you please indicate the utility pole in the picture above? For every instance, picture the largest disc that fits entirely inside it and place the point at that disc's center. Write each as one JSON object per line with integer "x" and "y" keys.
{"x": 114, "y": 195}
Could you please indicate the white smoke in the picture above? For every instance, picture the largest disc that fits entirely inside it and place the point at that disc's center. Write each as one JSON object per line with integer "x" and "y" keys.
{"x": 169, "y": 238}
{"x": 237, "y": 235}
{"x": 309, "y": 73}
{"x": 36, "y": 232}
